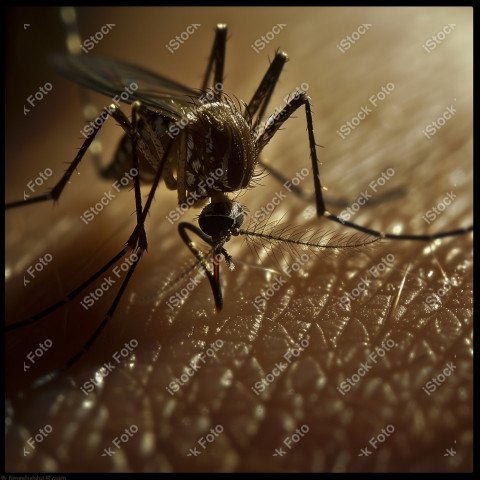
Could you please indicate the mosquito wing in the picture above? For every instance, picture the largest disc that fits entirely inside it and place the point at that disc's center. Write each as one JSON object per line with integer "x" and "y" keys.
{"x": 111, "y": 77}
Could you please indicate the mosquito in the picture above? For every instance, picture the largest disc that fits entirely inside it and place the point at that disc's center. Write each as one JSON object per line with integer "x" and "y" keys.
{"x": 214, "y": 154}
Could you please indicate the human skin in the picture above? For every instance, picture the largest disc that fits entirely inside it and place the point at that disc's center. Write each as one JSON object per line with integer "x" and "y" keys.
{"x": 394, "y": 307}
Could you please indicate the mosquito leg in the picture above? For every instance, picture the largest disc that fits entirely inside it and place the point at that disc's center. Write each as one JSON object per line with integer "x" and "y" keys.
{"x": 134, "y": 237}
{"x": 217, "y": 57}
{"x": 278, "y": 120}
{"x": 108, "y": 315}
{"x": 213, "y": 278}
{"x": 70, "y": 296}
{"x": 136, "y": 181}
{"x": 90, "y": 112}
{"x": 261, "y": 98}
{"x": 138, "y": 254}
{"x": 131, "y": 244}
{"x": 57, "y": 190}
{"x": 337, "y": 202}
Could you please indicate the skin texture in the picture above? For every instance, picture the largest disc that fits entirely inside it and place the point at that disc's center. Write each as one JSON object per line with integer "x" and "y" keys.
{"x": 393, "y": 308}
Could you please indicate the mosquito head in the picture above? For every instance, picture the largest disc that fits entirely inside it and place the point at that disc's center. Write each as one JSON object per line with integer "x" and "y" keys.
{"x": 221, "y": 219}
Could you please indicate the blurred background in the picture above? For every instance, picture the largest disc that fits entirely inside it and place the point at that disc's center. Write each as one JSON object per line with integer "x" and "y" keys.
{"x": 432, "y": 432}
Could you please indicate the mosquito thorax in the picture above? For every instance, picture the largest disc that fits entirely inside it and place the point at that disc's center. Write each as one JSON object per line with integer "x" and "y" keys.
{"x": 220, "y": 149}
{"x": 221, "y": 219}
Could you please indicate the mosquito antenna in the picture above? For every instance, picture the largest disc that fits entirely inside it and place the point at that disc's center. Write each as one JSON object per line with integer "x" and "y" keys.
{"x": 274, "y": 233}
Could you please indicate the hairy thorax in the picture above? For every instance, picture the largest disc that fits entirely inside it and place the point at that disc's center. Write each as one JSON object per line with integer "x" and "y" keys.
{"x": 220, "y": 153}
{"x": 213, "y": 152}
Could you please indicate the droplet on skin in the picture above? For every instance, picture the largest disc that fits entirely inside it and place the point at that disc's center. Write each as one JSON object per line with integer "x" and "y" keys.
{"x": 397, "y": 229}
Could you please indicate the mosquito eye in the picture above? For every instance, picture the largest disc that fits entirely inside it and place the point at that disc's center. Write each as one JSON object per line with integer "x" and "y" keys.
{"x": 214, "y": 225}
{"x": 238, "y": 220}
{"x": 219, "y": 219}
